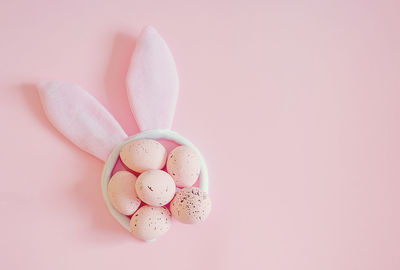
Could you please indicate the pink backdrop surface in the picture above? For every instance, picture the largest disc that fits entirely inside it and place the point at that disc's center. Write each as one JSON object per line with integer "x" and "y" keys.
{"x": 295, "y": 105}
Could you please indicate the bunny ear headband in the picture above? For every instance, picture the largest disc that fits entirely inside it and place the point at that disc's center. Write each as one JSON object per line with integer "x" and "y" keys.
{"x": 152, "y": 84}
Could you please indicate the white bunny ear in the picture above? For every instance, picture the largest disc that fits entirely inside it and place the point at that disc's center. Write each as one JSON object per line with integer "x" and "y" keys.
{"x": 81, "y": 118}
{"x": 152, "y": 82}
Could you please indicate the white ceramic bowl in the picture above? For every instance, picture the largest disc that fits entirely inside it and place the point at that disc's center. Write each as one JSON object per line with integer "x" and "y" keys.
{"x": 148, "y": 134}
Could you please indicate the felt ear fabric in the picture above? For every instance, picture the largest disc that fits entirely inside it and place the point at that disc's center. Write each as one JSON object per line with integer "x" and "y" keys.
{"x": 81, "y": 118}
{"x": 152, "y": 91}
{"x": 152, "y": 82}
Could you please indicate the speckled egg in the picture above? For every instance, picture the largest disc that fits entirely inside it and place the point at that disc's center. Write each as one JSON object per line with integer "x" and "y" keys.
{"x": 150, "y": 222}
{"x": 191, "y": 205}
{"x": 155, "y": 187}
{"x": 143, "y": 155}
{"x": 184, "y": 166}
{"x": 122, "y": 193}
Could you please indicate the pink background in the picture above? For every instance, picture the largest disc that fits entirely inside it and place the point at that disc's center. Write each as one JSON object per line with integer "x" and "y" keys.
{"x": 295, "y": 105}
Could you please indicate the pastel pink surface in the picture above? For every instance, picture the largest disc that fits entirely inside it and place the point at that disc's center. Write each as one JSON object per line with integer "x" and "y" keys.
{"x": 297, "y": 100}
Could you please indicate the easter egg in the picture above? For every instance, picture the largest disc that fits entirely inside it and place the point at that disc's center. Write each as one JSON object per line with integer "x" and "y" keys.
{"x": 184, "y": 166}
{"x": 150, "y": 222}
{"x": 155, "y": 187}
{"x": 191, "y": 205}
{"x": 143, "y": 155}
{"x": 122, "y": 193}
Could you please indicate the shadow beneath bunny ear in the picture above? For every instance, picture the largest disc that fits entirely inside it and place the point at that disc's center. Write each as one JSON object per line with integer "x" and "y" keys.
{"x": 115, "y": 81}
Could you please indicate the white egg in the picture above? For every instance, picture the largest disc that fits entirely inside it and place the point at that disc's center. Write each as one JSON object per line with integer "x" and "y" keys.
{"x": 149, "y": 222}
{"x": 143, "y": 155}
{"x": 122, "y": 192}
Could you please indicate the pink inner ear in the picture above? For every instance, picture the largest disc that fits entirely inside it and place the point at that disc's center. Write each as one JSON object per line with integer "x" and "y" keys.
{"x": 152, "y": 82}
{"x": 81, "y": 118}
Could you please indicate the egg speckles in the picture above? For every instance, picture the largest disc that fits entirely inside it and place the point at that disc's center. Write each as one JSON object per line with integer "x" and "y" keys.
{"x": 155, "y": 187}
{"x": 184, "y": 166}
{"x": 150, "y": 222}
{"x": 142, "y": 155}
{"x": 122, "y": 194}
{"x": 191, "y": 205}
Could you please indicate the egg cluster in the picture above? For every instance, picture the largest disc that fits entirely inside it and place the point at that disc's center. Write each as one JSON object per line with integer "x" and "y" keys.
{"x": 156, "y": 188}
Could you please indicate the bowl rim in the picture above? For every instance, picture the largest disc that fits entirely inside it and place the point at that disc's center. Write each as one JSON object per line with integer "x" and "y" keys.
{"x": 148, "y": 134}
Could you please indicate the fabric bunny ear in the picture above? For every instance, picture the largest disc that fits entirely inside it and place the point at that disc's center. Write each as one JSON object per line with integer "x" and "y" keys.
{"x": 152, "y": 82}
{"x": 81, "y": 118}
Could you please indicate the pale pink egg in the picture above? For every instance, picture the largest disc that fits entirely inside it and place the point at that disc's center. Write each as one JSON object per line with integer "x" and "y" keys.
{"x": 184, "y": 166}
{"x": 191, "y": 205}
{"x": 155, "y": 187}
{"x": 150, "y": 222}
{"x": 122, "y": 193}
{"x": 143, "y": 155}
